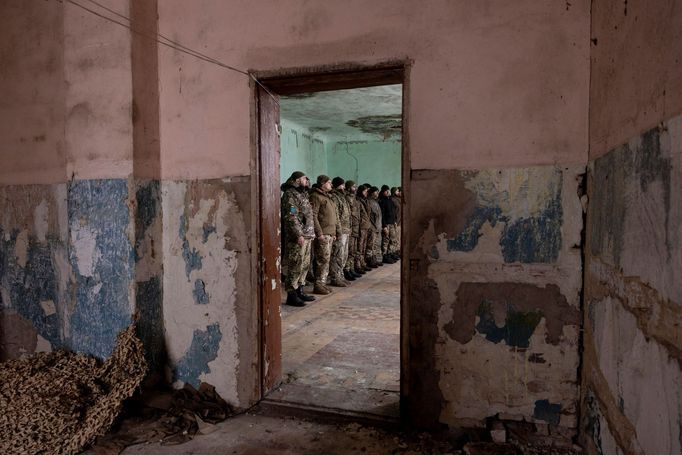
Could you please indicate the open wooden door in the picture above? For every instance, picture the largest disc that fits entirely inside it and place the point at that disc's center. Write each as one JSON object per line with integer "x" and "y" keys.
{"x": 271, "y": 297}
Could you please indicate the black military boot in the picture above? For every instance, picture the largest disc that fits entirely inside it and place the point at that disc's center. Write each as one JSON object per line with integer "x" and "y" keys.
{"x": 293, "y": 299}
{"x": 348, "y": 275}
{"x": 303, "y": 296}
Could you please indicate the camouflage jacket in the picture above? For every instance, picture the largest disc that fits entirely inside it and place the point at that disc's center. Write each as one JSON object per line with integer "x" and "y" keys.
{"x": 375, "y": 214}
{"x": 354, "y": 205}
{"x": 297, "y": 214}
{"x": 365, "y": 222}
{"x": 342, "y": 210}
{"x": 324, "y": 213}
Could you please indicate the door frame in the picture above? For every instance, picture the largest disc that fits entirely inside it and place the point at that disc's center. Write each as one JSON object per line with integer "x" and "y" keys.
{"x": 272, "y": 83}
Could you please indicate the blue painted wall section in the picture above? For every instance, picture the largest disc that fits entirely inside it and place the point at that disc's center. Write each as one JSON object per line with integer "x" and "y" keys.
{"x": 102, "y": 307}
{"x": 191, "y": 256}
{"x": 28, "y": 286}
{"x": 535, "y": 239}
{"x": 518, "y": 327}
{"x": 549, "y": 412}
{"x": 531, "y": 239}
{"x": 467, "y": 239}
{"x": 149, "y": 293}
{"x": 204, "y": 349}
{"x": 200, "y": 295}
{"x": 150, "y": 327}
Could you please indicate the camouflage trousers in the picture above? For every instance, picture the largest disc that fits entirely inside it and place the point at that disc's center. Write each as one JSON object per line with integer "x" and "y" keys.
{"x": 389, "y": 241}
{"x": 323, "y": 252}
{"x": 339, "y": 257}
{"x": 362, "y": 248}
{"x": 373, "y": 251}
{"x": 296, "y": 264}
{"x": 352, "y": 251}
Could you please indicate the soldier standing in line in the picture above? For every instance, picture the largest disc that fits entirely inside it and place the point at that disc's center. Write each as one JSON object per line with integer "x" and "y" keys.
{"x": 354, "y": 205}
{"x": 388, "y": 225}
{"x": 298, "y": 234}
{"x": 326, "y": 231}
{"x": 365, "y": 225}
{"x": 373, "y": 254}
{"x": 397, "y": 198}
{"x": 340, "y": 247}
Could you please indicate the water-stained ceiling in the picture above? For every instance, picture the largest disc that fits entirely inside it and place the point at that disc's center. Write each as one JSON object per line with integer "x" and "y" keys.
{"x": 361, "y": 114}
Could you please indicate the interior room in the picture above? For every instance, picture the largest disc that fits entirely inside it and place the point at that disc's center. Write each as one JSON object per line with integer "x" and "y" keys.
{"x": 140, "y": 231}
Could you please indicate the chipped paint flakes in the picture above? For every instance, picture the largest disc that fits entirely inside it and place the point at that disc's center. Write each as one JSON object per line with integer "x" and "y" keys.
{"x": 203, "y": 226}
{"x": 41, "y": 220}
{"x": 84, "y": 244}
{"x": 48, "y": 307}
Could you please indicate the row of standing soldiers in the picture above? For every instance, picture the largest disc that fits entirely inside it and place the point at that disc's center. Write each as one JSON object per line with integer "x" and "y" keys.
{"x": 349, "y": 229}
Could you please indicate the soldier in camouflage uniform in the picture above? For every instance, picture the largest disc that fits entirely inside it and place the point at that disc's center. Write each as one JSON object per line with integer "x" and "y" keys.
{"x": 365, "y": 225}
{"x": 327, "y": 229}
{"x": 299, "y": 232}
{"x": 354, "y": 204}
{"x": 340, "y": 247}
{"x": 373, "y": 254}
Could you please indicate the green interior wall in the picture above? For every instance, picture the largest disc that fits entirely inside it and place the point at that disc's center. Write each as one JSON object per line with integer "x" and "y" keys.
{"x": 301, "y": 152}
{"x": 378, "y": 163}
{"x": 375, "y": 162}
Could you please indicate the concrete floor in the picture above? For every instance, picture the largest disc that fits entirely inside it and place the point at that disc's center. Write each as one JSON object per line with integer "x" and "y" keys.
{"x": 342, "y": 351}
{"x": 263, "y": 435}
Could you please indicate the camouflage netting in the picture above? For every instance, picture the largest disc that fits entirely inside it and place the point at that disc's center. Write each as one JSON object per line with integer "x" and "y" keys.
{"x": 59, "y": 402}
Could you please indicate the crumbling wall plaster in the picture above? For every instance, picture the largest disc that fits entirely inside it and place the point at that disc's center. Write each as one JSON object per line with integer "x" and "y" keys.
{"x": 633, "y": 342}
{"x": 34, "y": 268}
{"x": 505, "y": 326}
{"x": 209, "y": 317}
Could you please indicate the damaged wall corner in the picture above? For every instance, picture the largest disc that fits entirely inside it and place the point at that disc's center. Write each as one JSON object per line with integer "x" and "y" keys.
{"x": 496, "y": 274}
{"x": 632, "y": 371}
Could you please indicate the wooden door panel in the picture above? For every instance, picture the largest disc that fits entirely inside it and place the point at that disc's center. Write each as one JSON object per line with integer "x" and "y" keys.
{"x": 271, "y": 359}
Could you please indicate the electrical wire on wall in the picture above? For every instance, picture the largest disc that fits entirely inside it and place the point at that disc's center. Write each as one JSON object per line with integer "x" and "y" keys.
{"x": 163, "y": 40}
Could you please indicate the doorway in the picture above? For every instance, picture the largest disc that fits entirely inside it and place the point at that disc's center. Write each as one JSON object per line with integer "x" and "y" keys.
{"x": 308, "y": 362}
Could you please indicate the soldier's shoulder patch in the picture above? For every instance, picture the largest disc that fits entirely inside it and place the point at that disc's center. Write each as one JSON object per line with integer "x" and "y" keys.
{"x": 293, "y": 210}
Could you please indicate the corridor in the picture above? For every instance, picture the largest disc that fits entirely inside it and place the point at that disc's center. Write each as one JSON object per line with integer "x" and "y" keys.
{"x": 342, "y": 351}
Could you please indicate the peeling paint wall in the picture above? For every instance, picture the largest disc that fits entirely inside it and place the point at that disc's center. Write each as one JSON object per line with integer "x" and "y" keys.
{"x": 633, "y": 326}
{"x": 209, "y": 315}
{"x": 495, "y": 293}
{"x": 34, "y": 269}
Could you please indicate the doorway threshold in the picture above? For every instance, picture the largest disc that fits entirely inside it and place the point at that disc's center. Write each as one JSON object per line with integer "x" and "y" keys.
{"x": 278, "y": 408}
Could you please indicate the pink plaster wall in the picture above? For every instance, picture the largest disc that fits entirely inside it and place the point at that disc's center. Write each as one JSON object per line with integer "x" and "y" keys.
{"x": 67, "y": 93}
{"x": 493, "y": 83}
{"x": 97, "y": 67}
{"x": 636, "y": 80}
{"x": 33, "y": 92}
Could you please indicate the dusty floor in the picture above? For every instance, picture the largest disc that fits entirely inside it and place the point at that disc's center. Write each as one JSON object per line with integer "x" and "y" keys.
{"x": 343, "y": 350}
{"x": 258, "y": 434}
